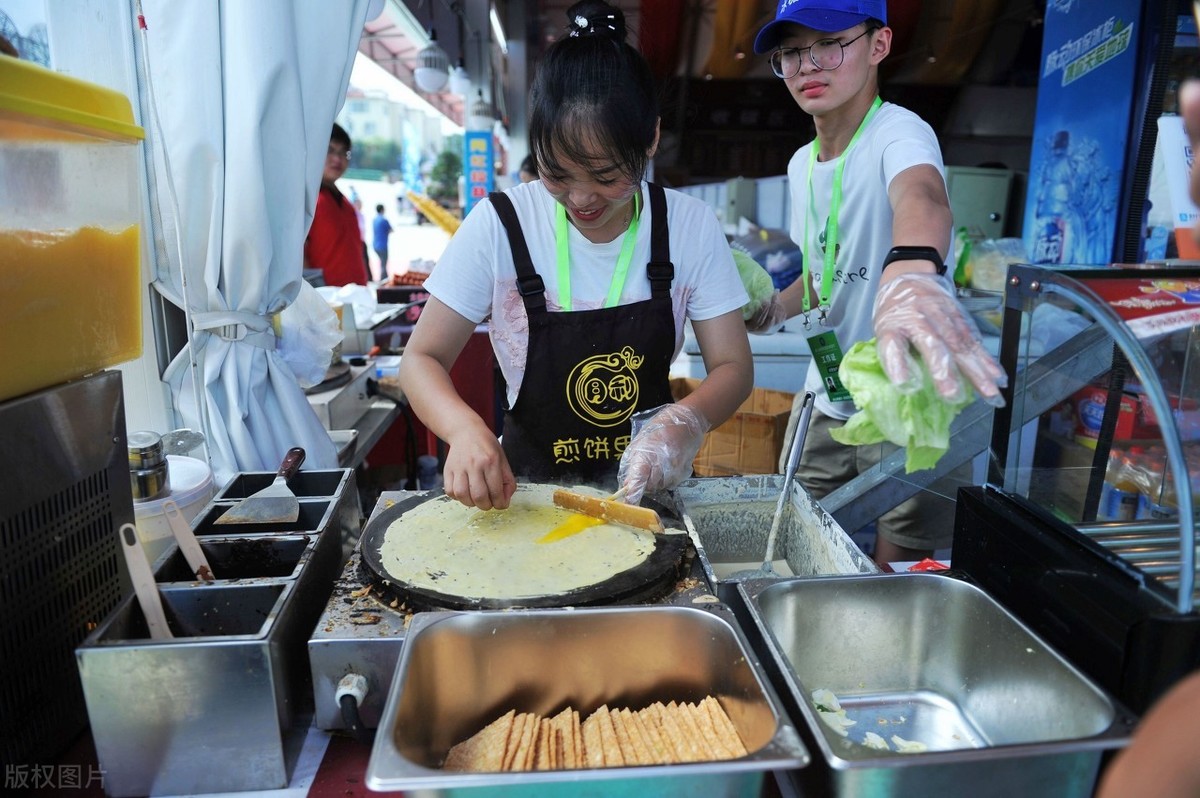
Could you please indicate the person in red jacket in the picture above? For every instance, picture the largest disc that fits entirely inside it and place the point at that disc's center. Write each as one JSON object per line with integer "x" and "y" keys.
{"x": 334, "y": 244}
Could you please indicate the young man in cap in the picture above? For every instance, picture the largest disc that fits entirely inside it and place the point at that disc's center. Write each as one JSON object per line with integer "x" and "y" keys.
{"x": 872, "y": 219}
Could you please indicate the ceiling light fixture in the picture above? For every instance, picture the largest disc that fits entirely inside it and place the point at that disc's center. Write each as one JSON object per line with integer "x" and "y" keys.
{"x": 481, "y": 115}
{"x": 433, "y": 66}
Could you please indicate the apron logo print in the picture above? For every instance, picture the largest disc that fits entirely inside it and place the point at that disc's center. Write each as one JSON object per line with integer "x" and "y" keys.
{"x": 603, "y": 389}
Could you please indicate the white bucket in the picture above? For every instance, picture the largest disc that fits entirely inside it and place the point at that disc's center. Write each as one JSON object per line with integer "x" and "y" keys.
{"x": 190, "y": 485}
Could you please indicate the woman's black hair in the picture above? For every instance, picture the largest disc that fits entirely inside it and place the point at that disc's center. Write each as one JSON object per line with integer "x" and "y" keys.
{"x": 593, "y": 92}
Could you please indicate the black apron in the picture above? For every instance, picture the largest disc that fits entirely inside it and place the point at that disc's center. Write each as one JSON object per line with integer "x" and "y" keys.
{"x": 588, "y": 371}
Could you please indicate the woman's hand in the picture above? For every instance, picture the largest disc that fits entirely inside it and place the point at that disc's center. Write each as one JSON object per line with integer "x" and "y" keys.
{"x": 665, "y": 442}
{"x": 476, "y": 471}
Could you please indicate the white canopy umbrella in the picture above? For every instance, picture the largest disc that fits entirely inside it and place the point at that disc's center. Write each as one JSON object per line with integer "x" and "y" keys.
{"x": 246, "y": 94}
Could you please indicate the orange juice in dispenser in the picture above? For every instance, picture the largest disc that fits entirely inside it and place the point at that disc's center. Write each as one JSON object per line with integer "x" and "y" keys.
{"x": 70, "y": 217}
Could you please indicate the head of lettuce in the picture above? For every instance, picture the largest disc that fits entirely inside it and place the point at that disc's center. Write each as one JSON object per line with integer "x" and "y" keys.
{"x": 919, "y": 421}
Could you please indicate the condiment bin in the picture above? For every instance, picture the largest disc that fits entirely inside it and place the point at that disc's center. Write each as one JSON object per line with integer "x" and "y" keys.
{"x": 222, "y": 705}
{"x": 730, "y": 518}
{"x": 458, "y": 671}
{"x": 70, "y": 228}
{"x": 935, "y": 661}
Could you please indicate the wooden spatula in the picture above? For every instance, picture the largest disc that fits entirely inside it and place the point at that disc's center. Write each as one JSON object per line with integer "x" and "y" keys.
{"x": 612, "y": 510}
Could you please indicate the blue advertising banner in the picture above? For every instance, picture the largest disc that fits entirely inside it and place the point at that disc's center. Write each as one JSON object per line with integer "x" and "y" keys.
{"x": 478, "y": 160}
{"x": 1081, "y": 132}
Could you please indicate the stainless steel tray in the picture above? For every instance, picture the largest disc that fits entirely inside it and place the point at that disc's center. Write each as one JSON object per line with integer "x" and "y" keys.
{"x": 937, "y": 661}
{"x": 730, "y": 520}
{"x": 460, "y": 670}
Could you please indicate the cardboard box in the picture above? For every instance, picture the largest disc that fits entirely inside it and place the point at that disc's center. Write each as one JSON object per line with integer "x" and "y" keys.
{"x": 748, "y": 443}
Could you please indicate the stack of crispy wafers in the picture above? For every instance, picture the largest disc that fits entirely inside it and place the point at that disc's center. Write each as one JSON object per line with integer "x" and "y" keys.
{"x": 659, "y": 734}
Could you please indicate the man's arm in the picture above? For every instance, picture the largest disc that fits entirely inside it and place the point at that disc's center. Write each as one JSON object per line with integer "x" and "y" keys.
{"x": 920, "y": 217}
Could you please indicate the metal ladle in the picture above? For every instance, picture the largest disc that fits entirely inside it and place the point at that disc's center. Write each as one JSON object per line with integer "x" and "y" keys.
{"x": 767, "y": 570}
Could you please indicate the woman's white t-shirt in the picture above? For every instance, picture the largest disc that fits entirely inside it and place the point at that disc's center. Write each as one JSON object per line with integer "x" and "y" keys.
{"x": 476, "y": 277}
{"x": 896, "y": 139}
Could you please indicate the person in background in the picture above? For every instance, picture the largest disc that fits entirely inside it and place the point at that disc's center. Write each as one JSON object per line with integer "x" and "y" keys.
{"x": 1161, "y": 760}
{"x": 334, "y": 244}
{"x": 872, "y": 219}
{"x": 585, "y": 278}
{"x": 382, "y": 228}
{"x": 528, "y": 170}
{"x": 356, "y": 201}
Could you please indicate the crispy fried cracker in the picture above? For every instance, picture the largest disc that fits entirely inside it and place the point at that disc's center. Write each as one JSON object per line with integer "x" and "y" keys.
{"x": 608, "y": 738}
{"x": 561, "y": 724}
{"x": 725, "y": 727}
{"x": 624, "y": 740}
{"x": 655, "y": 747}
{"x": 676, "y": 750}
{"x": 593, "y": 746}
{"x": 715, "y": 741}
{"x": 520, "y": 757}
{"x": 543, "y": 756}
{"x": 484, "y": 751}
{"x": 643, "y": 753}
{"x": 708, "y": 750}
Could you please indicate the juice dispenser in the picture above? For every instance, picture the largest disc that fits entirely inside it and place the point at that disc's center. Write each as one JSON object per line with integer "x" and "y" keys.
{"x": 70, "y": 215}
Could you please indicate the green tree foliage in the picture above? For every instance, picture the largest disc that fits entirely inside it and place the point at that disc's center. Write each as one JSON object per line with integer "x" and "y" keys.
{"x": 381, "y": 154}
{"x": 443, "y": 178}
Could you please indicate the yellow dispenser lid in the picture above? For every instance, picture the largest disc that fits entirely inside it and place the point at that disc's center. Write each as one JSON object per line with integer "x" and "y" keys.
{"x": 47, "y": 100}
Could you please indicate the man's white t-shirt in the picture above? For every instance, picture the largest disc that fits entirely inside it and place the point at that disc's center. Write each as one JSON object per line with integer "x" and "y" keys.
{"x": 476, "y": 277}
{"x": 896, "y": 139}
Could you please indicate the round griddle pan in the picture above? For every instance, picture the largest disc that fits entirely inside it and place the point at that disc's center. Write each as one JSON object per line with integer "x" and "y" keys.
{"x": 651, "y": 578}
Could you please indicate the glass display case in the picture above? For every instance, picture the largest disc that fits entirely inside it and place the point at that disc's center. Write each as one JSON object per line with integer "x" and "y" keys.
{"x": 1087, "y": 522}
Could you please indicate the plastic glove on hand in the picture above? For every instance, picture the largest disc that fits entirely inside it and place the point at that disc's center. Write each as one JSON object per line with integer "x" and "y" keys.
{"x": 918, "y": 312}
{"x": 769, "y": 317}
{"x": 659, "y": 457}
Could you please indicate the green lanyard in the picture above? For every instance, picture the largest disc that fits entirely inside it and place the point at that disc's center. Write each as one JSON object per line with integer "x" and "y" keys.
{"x": 561, "y": 242}
{"x": 831, "y": 227}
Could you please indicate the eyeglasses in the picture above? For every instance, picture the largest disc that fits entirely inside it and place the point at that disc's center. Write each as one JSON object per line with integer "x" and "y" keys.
{"x": 824, "y": 54}
{"x": 337, "y": 152}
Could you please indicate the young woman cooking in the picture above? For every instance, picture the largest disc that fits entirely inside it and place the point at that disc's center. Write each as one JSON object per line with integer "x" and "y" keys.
{"x": 585, "y": 278}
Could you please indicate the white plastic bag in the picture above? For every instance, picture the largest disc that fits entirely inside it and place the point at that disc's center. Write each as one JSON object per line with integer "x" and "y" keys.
{"x": 309, "y": 331}
{"x": 359, "y": 297}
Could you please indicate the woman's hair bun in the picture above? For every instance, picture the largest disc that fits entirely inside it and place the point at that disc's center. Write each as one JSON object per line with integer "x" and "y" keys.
{"x": 595, "y": 18}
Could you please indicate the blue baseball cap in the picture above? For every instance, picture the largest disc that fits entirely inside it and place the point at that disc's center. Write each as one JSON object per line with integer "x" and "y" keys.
{"x": 822, "y": 15}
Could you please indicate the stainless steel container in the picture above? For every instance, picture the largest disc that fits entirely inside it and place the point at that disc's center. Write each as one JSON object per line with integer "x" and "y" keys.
{"x": 730, "y": 518}
{"x": 205, "y": 711}
{"x": 460, "y": 670}
{"x": 148, "y": 475}
{"x": 225, "y": 703}
{"x": 934, "y": 660}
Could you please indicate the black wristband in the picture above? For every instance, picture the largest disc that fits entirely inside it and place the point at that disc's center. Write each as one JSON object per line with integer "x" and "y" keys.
{"x": 916, "y": 253}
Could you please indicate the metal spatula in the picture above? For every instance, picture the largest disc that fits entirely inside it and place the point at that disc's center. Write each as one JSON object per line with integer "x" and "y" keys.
{"x": 274, "y": 504}
{"x": 767, "y": 569}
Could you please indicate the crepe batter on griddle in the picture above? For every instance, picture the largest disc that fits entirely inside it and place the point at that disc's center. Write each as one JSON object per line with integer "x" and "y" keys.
{"x": 450, "y": 548}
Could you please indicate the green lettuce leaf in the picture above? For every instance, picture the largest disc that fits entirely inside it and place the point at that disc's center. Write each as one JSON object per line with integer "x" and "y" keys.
{"x": 920, "y": 422}
{"x": 757, "y": 281}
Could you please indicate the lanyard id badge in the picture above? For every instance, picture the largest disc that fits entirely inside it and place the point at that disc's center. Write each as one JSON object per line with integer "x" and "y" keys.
{"x": 827, "y": 354}
{"x": 828, "y": 261}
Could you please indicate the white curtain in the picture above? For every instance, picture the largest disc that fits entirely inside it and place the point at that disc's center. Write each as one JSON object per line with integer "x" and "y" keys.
{"x": 246, "y": 92}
